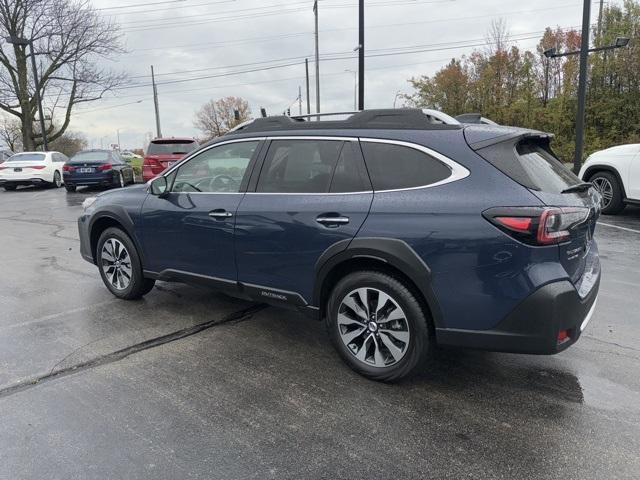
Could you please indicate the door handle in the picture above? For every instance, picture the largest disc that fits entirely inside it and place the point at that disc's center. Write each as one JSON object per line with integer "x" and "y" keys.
{"x": 220, "y": 213}
{"x": 333, "y": 220}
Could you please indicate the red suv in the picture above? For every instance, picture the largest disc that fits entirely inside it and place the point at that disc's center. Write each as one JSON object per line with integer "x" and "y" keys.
{"x": 164, "y": 152}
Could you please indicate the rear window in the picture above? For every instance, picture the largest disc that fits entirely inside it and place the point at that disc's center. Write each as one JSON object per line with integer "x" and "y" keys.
{"x": 531, "y": 164}
{"x": 393, "y": 167}
{"x": 169, "y": 147}
{"x": 27, "y": 157}
{"x": 91, "y": 157}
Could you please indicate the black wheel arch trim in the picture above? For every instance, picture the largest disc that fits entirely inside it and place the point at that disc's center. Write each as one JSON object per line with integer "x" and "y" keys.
{"x": 592, "y": 170}
{"x": 120, "y": 215}
{"x": 391, "y": 251}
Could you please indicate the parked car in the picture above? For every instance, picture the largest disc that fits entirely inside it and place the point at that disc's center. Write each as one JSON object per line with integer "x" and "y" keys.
{"x": 5, "y": 153}
{"x": 128, "y": 155}
{"x": 615, "y": 172}
{"x": 400, "y": 231}
{"x": 32, "y": 168}
{"x": 98, "y": 167}
{"x": 163, "y": 153}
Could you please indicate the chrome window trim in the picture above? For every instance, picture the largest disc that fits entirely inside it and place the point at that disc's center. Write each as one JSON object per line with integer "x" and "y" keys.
{"x": 458, "y": 172}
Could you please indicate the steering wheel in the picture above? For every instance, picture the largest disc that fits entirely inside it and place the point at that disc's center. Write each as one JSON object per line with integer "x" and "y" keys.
{"x": 222, "y": 183}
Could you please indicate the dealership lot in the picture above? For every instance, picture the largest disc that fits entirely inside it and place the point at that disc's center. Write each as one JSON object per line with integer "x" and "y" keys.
{"x": 186, "y": 383}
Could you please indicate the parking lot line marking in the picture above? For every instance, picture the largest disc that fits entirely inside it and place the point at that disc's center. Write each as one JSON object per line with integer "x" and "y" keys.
{"x": 617, "y": 226}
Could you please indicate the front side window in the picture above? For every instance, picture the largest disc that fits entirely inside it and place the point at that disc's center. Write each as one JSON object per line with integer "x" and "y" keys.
{"x": 299, "y": 166}
{"x": 393, "y": 167}
{"x": 217, "y": 170}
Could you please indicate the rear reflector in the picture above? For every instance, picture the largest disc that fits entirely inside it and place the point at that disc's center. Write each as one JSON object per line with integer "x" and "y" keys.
{"x": 537, "y": 226}
{"x": 563, "y": 336}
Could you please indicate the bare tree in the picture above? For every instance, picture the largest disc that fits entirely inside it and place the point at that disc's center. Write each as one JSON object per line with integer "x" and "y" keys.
{"x": 69, "y": 143}
{"x": 497, "y": 37}
{"x": 68, "y": 38}
{"x": 216, "y": 117}
{"x": 11, "y": 133}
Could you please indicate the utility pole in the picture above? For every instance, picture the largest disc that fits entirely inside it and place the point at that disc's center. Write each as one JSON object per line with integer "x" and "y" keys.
{"x": 299, "y": 100}
{"x": 118, "y": 135}
{"x": 306, "y": 68}
{"x": 155, "y": 103}
{"x": 600, "y": 17}
{"x": 582, "y": 85}
{"x": 315, "y": 12}
{"x": 361, "y": 55}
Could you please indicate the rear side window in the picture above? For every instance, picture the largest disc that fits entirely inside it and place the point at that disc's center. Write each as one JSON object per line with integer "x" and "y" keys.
{"x": 394, "y": 167}
{"x": 299, "y": 166}
{"x": 350, "y": 174}
{"x": 531, "y": 165}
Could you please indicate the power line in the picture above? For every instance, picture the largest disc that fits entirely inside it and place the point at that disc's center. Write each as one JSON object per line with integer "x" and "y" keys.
{"x": 140, "y": 5}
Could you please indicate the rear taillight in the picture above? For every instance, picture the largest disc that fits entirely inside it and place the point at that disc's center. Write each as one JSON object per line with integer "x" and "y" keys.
{"x": 153, "y": 164}
{"x": 68, "y": 168}
{"x": 104, "y": 167}
{"x": 537, "y": 226}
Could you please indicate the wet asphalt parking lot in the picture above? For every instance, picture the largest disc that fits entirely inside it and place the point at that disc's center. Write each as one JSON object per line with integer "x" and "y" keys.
{"x": 190, "y": 384}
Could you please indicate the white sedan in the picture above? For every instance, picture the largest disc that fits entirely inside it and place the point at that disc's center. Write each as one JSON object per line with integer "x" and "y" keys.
{"x": 32, "y": 168}
{"x": 615, "y": 172}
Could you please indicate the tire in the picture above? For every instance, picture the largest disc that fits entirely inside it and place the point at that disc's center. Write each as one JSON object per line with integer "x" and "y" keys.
{"x": 608, "y": 186}
{"x": 117, "y": 258}
{"x": 70, "y": 188}
{"x": 120, "y": 183}
{"x": 10, "y": 188}
{"x": 57, "y": 180}
{"x": 410, "y": 326}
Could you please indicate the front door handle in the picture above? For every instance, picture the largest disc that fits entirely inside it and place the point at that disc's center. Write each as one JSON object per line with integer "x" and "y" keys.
{"x": 333, "y": 220}
{"x": 220, "y": 213}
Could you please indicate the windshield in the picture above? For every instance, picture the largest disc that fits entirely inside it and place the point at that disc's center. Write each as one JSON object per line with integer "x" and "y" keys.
{"x": 27, "y": 157}
{"x": 97, "y": 156}
{"x": 167, "y": 147}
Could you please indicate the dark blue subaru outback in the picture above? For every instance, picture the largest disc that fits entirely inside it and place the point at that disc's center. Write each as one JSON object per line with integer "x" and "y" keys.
{"x": 400, "y": 231}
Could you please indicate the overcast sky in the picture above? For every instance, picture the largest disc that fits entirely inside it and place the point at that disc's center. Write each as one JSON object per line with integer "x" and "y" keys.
{"x": 187, "y": 40}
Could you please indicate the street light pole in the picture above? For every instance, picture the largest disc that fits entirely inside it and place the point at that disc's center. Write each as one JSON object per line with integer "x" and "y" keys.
{"x": 23, "y": 41}
{"x": 582, "y": 85}
{"x": 361, "y": 55}
{"x": 315, "y": 12}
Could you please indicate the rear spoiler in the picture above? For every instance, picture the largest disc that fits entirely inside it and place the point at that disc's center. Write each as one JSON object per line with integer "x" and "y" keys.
{"x": 513, "y": 137}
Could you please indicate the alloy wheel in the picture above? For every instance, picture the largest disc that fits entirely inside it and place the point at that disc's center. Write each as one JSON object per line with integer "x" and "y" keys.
{"x": 121, "y": 180}
{"x": 604, "y": 187}
{"x": 116, "y": 263}
{"x": 57, "y": 181}
{"x": 373, "y": 327}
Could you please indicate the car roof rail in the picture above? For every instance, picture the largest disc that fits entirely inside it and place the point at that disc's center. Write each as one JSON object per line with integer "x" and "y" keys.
{"x": 390, "y": 118}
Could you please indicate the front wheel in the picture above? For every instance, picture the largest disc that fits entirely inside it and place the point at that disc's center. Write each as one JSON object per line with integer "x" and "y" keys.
{"x": 378, "y": 326}
{"x": 120, "y": 266}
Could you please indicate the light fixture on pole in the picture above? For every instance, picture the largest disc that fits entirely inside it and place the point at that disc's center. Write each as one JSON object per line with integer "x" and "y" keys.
{"x": 582, "y": 81}
{"x": 24, "y": 42}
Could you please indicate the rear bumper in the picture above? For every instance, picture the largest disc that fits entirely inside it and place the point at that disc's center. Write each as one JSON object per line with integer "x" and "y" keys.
{"x": 533, "y": 326}
{"x": 35, "y": 180}
{"x": 105, "y": 179}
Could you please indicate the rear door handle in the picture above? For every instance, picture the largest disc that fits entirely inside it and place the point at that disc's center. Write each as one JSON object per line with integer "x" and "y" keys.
{"x": 220, "y": 213}
{"x": 333, "y": 220}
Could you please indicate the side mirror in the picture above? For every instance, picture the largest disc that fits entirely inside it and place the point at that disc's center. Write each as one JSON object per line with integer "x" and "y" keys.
{"x": 159, "y": 187}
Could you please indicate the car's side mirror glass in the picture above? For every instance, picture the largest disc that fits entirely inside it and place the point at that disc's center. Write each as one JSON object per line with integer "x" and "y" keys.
{"x": 159, "y": 187}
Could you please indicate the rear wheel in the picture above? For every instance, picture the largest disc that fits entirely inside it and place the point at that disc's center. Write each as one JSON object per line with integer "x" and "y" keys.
{"x": 611, "y": 191}
{"x": 120, "y": 266}
{"x": 120, "y": 180}
{"x": 378, "y": 326}
{"x": 57, "y": 180}
{"x": 70, "y": 188}
{"x": 10, "y": 188}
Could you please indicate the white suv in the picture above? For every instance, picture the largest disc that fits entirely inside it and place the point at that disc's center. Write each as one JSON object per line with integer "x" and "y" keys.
{"x": 615, "y": 172}
{"x": 32, "y": 168}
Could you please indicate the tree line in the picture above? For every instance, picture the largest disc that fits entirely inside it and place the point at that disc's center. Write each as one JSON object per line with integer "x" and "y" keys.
{"x": 527, "y": 89}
